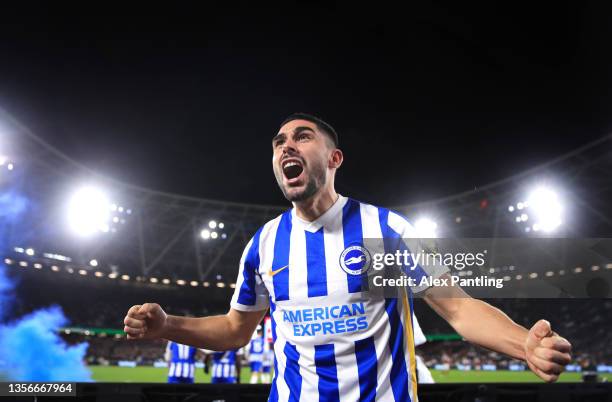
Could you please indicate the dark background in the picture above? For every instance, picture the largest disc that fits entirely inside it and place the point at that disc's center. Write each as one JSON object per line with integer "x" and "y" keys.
{"x": 428, "y": 100}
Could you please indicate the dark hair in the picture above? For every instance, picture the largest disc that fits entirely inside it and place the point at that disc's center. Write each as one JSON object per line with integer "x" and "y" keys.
{"x": 321, "y": 125}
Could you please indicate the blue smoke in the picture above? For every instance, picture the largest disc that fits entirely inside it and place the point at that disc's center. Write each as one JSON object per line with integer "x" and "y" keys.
{"x": 30, "y": 347}
{"x": 31, "y": 350}
{"x": 6, "y": 292}
{"x": 12, "y": 205}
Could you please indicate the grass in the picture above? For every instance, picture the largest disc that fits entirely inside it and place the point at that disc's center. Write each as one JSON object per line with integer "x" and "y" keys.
{"x": 152, "y": 374}
{"x": 148, "y": 374}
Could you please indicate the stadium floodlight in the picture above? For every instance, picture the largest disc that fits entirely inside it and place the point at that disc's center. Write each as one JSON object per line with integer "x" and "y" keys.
{"x": 425, "y": 227}
{"x": 214, "y": 235}
{"x": 546, "y": 209}
{"x": 212, "y": 224}
{"x": 153, "y": 280}
{"x": 194, "y": 283}
{"x": 89, "y": 211}
{"x": 166, "y": 281}
{"x": 221, "y": 225}
{"x": 29, "y": 251}
{"x": 205, "y": 234}
{"x": 93, "y": 263}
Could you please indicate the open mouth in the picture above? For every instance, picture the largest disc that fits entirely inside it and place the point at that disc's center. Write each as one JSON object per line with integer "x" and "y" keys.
{"x": 292, "y": 169}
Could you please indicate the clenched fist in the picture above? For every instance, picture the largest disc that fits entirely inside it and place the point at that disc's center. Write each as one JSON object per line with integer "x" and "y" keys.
{"x": 546, "y": 353}
{"x": 145, "y": 321}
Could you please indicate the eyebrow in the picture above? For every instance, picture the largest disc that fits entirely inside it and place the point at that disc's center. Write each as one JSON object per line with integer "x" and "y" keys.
{"x": 297, "y": 130}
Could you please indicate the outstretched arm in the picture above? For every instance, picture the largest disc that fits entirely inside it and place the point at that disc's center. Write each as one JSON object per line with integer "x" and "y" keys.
{"x": 545, "y": 352}
{"x": 222, "y": 332}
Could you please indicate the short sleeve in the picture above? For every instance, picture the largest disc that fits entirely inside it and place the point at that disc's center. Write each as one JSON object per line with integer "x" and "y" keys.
{"x": 410, "y": 240}
{"x": 250, "y": 293}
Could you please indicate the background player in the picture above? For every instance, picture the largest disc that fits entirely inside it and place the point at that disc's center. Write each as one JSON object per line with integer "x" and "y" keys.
{"x": 181, "y": 363}
{"x": 363, "y": 357}
{"x": 226, "y": 367}
{"x": 254, "y": 354}
{"x": 266, "y": 363}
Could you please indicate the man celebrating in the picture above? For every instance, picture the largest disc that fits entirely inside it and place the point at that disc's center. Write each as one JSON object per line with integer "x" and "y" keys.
{"x": 334, "y": 339}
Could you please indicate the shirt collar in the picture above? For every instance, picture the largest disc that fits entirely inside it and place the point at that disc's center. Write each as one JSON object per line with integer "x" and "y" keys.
{"x": 328, "y": 216}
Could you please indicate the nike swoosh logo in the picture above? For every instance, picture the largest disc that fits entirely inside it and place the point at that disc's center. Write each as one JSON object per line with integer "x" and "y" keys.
{"x": 276, "y": 271}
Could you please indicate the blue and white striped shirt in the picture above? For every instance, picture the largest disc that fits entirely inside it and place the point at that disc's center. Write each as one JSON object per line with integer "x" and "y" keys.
{"x": 333, "y": 339}
{"x": 181, "y": 359}
{"x": 224, "y": 365}
{"x": 256, "y": 349}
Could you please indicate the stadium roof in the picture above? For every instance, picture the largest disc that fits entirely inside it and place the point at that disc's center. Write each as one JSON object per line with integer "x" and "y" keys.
{"x": 161, "y": 236}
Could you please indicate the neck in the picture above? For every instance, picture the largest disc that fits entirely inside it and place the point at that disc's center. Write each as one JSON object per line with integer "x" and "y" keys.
{"x": 317, "y": 205}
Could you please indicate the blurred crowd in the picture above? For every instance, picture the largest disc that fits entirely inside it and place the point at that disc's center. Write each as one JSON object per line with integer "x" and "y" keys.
{"x": 91, "y": 303}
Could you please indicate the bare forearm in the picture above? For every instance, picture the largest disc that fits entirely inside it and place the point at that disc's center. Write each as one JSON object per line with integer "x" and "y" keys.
{"x": 478, "y": 321}
{"x": 487, "y": 326}
{"x": 545, "y": 352}
{"x": 214, "y": 332}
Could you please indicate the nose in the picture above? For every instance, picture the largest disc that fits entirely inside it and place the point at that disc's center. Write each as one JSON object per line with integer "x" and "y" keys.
{"x": 289, "y": 146}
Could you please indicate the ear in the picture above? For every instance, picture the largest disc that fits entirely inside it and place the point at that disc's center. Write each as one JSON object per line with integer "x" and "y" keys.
{"x": 335, "y": 159}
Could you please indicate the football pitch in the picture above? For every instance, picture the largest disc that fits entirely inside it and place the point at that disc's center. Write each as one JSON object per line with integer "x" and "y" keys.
{"x": 153, "y": 374}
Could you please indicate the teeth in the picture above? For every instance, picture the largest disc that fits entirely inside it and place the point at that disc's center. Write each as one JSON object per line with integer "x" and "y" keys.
{"x": 291, "y": 164}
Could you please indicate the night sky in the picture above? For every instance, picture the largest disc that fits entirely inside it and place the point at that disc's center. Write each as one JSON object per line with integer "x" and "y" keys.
{"x": 428, "y": 100}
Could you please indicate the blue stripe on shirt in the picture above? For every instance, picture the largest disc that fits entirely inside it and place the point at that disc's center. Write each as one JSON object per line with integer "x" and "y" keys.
{"x": 293, "y": 378}
{"x": 247, "y": 295}
{"x": 365, "y": 352}
{"x": 281, "y": 258}
{"x": 315, "y": 261}
{"x": 274, "y": 388}
{"x": 399, "y": 373}
{"x": 353, "y": 235}
{"x": 325, "y": 363}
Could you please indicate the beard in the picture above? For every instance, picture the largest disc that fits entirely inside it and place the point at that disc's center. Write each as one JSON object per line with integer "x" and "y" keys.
{"x": 316, "y": 180}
